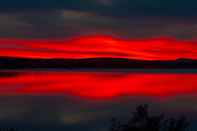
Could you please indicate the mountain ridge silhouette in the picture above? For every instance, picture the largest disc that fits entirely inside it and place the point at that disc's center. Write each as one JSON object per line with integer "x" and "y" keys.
{"x": 99, "y": 62}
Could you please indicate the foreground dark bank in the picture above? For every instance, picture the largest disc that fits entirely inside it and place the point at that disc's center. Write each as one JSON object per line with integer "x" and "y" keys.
{"x": 95, "y": 63}
{"x": 143, "y": 120}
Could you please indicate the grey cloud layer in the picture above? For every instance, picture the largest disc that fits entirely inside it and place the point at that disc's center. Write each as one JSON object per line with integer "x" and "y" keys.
{"x": 66, "y": 23}
{"x": 115, "y": 7}
{"x": 121, "y": 18}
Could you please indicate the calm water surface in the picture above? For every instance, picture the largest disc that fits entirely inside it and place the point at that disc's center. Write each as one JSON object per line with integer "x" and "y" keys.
{"x": 88, "y": 99}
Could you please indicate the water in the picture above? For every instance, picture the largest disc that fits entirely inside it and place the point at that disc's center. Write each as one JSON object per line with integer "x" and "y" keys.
{"x": 87, "y": 100}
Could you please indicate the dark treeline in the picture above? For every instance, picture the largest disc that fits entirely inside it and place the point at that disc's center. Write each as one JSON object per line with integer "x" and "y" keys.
{"x": 109, "y": 63}
{"x": 142, "y": 120}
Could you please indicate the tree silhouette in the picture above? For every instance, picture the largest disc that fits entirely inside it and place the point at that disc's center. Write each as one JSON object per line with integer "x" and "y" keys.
{"x": 141, "y": 120}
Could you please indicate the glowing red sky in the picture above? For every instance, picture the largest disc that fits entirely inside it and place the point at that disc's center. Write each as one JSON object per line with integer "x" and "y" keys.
{"x": 100, "y": 46}
{"x": 100, "y": 85}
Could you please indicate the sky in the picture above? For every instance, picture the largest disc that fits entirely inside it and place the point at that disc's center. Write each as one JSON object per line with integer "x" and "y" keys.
{"x": 30, "y": 28}
{"x": 100, "y": 46}
{"x": 120, "y": 18}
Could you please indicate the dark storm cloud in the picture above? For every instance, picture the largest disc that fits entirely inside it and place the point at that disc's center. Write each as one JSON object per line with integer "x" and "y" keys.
{"x": 21, "y": 5}
{"x": 121, "y": 18}
{"x": 115, "y": 7}
{"x": 67, "y": 23}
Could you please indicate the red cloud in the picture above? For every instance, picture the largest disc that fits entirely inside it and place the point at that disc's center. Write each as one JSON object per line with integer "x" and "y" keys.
{"x": 100, "y": 46}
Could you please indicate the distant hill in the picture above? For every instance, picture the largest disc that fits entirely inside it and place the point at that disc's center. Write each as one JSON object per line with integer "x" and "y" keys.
{"x": 26, "y": 63}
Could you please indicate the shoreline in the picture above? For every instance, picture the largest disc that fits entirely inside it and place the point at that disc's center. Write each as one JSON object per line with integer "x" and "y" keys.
{"x": 102, "y": 70}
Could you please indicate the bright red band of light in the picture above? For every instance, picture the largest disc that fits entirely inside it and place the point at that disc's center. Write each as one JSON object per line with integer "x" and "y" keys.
{"x": 100, "y": 46}
{"x": 100, "y": 85}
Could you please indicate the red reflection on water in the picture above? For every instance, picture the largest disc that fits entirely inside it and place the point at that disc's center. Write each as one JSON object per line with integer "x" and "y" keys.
{"x": 99, "y": 85}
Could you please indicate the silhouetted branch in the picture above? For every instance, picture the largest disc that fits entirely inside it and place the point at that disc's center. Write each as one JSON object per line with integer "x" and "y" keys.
{"x": 141, "y": 120}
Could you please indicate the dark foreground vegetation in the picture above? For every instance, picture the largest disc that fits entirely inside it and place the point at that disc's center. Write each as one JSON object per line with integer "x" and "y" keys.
{"x": 108, "y": 63}
{"x": 142, "y": 120}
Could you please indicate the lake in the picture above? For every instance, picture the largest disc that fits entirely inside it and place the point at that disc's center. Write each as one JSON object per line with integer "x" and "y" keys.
{"x": 88, "y": 99}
